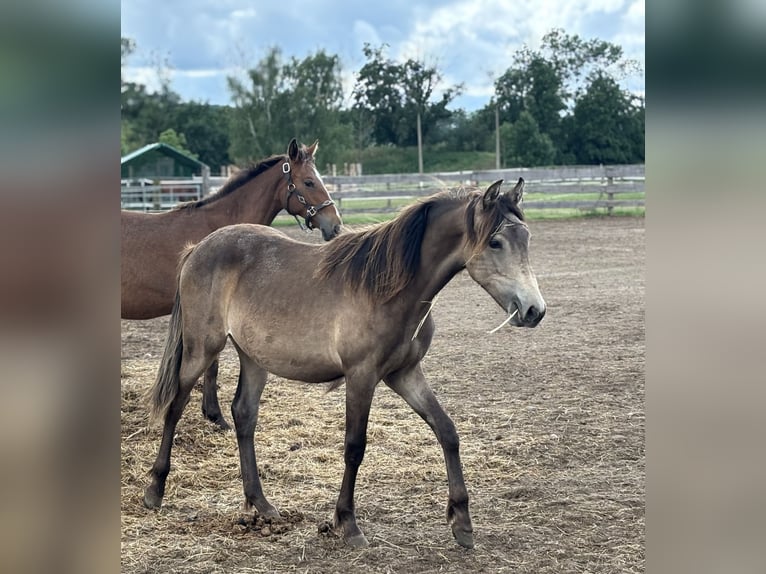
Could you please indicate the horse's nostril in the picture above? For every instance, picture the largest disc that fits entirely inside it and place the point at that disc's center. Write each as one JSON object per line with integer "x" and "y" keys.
{"x": 533, "y": 314}
{"x": 336, "y": 230}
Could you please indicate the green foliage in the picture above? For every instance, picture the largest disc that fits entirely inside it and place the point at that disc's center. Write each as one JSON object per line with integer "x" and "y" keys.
{"x": 548, "y": 84}
{"x": 389, "y": 159}
{"x": 279, "y": 101}
{"x": 178, "y": 141}
{"x": 146, "y": 115}
{"x": 608, "y": 126}
{"x": 388, "y": 97}
{"x": 558, "y": 104}
{"x": 525, "y": 144}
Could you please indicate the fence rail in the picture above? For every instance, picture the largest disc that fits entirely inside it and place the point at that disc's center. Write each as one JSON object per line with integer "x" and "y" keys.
{"x": 583, "y": 187}
{"x": 566, "y": 187}
{"x": 158, "y": 197}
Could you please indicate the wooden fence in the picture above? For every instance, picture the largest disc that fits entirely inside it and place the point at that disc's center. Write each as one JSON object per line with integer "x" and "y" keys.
{"x": 578, "y": 187}
{"x": 573, "y": 187}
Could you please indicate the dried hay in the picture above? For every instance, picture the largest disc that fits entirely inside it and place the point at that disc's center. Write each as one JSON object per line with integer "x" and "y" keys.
{"x": 551, "y": 444}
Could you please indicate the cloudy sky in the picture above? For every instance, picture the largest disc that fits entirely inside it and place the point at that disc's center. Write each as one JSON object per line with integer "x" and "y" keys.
{"x": 470, "y": 41}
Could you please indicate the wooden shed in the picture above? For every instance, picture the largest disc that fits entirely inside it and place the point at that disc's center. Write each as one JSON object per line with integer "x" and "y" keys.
{"x": 160, "y": 161}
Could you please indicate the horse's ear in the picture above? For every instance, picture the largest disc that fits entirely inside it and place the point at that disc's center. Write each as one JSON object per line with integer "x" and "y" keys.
{"x": 517, "y": 193}
{"x": 292, "y": 150}
{"x": 312, "y": 149}
{"x": 490, "y": 196}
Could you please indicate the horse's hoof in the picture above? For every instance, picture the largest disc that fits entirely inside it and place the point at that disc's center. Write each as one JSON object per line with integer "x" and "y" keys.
{"x": 222, "y": 424}
{"x": 218, "y": 421}
{"x": 151, "y": 499}
{"x": 357, "y": 541}
{"x": 463, "y": 537}
{"x": 264, "y": 510}
{"x": 270, "y": 513}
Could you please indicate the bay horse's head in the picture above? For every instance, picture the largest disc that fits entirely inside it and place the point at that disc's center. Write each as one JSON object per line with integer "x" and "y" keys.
{"x": 306, "y": 194}
{"x": 500, "y": 260}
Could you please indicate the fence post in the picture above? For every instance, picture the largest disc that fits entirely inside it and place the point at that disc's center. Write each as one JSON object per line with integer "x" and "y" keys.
{"x": 609, "y": 193}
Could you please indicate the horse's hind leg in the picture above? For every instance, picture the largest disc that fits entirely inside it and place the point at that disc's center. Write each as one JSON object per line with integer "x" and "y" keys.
{"x": 244, "y": 409}
{"x": 192, "y": 365}
{"x": 411, "y": 385}
{"x": 210, "y": 408}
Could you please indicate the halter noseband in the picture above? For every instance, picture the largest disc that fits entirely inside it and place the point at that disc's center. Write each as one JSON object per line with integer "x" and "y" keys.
{"x": 311, "y": 210}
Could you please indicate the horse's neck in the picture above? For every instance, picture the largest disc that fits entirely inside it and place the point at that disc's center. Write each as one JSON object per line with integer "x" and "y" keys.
{"x": 442, "y": 255}
{"x": 256, "y": 201}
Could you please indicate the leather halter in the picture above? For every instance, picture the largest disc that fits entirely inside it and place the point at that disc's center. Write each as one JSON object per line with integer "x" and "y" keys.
{"x": 311, "y": 210}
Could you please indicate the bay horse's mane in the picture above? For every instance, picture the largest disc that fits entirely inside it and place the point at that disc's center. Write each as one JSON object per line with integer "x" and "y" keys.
{"x": 241, "y": 178}
{"x": 382, "y": 260}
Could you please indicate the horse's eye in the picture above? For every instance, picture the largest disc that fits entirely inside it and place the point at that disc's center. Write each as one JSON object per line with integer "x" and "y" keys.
{"x": 495, "y": 244}
{"x": 308, "y": 183}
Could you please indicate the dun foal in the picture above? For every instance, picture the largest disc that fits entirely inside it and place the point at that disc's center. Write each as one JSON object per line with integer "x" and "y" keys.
{"x": 354, "y": 309}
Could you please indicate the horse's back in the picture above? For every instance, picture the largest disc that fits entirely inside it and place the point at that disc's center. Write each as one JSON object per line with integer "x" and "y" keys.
{"x": 241, "y": 249}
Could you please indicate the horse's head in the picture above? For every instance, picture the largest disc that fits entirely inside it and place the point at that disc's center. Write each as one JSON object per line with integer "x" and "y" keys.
{"x": 500, "y": 260}
{"x": 307, "y": 196}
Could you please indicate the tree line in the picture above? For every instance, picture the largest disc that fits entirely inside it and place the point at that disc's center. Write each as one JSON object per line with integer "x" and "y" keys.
{"x": 559, "y": 104}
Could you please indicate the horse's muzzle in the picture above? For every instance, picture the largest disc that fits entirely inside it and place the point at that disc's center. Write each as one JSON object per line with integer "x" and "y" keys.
{"x": 530, "y": 318}
{"x": 329, "y": 231}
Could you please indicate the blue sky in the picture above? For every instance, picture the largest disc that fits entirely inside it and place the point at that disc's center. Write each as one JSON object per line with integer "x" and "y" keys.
{"x": 470, "y": 41}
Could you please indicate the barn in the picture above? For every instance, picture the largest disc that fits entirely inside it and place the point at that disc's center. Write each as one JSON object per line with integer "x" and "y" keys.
{"x": 159, "y": 176}
{"x": 161, "y": 161}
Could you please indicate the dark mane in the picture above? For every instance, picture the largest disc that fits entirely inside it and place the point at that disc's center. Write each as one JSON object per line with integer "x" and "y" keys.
{"x": 382, "y": 260}
{"x": 234, "y": 182}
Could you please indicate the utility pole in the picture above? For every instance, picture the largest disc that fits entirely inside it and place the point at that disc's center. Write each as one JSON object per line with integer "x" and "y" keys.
{"x": 497, "y": 137}
{"x": 420, "y": 147}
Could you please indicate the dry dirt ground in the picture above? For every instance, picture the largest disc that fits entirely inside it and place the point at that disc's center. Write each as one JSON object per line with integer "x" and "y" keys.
{"x": 551, "y": 422}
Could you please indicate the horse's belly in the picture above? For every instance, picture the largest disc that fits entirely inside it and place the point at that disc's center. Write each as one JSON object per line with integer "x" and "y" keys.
{"x": 291, "y": 359}
{"x": 303, "y": 369}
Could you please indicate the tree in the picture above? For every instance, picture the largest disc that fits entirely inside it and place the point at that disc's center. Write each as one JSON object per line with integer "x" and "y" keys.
{"x": 315, "y": 88}
{"x": 206, "y": 129}
{"x": 178, "y": 141}
{"x": 607, "y": 124}
{"x": 389, "y": 96}
{"x": 257, "y": 121}
{"x": 525, "y": 145}
{"x": 547, "y": 82}
{"x": 279, "y": 101}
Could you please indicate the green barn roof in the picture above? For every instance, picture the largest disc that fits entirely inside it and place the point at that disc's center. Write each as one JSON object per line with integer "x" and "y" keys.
{"x": 159, "y": 161}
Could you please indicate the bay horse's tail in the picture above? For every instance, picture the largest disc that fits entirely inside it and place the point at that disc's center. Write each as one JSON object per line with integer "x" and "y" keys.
{"x": 165, "y": 388}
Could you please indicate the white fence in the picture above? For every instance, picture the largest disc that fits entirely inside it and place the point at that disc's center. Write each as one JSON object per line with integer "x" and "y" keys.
{"x": 159, "y": 197}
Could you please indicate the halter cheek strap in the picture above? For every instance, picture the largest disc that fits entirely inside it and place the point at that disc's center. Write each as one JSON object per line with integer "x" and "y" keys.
{"x": 311, "y": 210}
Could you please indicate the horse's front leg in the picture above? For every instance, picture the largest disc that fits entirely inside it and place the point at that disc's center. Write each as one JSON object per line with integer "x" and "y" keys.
{"x": 411, "y": 385}
{"x": 244, "y": 409}
{"x": 210, "y": 407}
{"x": 359, "y": 393}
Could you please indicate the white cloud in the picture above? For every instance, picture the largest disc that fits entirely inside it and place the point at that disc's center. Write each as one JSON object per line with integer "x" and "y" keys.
{"x": 364, "y": 32}
{"x": 470, "y": 41}
{"x": 198, "y": 73}
{"x": 143, "y": 75}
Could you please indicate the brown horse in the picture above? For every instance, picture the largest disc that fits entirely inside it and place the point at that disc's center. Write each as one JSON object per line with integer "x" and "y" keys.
{"x": 355, "y": 309}
{"x": 152, "y": 242}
